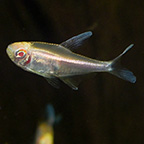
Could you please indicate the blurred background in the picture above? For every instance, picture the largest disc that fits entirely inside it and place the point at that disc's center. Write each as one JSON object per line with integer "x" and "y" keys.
{"x": 105, "y": 109}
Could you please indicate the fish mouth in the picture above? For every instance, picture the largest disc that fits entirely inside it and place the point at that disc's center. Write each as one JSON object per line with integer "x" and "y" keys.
{"x": 10, "y": 53}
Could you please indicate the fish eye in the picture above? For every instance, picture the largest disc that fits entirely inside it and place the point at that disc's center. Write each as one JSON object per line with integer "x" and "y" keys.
{"x": 20, "y": 53}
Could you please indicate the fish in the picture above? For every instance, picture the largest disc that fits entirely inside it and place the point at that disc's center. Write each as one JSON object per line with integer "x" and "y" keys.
{"x": 45, "y": 131}
{"x": 59, "y": 62}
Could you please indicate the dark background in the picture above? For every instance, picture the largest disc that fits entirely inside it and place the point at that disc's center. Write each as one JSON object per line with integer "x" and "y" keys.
{"x": 105, "y": 109}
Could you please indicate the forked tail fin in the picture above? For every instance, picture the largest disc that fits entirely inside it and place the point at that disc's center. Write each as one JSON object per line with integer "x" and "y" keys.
{"x": 119, "y": 71}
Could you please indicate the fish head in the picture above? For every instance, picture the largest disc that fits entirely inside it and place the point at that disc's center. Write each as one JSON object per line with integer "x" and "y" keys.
{"x": 19, "y": 53}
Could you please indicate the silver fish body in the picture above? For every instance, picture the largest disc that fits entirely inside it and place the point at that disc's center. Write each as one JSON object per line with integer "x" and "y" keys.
{"x": 58, "y": 61}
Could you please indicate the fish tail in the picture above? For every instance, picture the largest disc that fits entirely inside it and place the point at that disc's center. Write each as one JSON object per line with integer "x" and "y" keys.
{"x": 50, "y": 113}
{"x": 117, "y": 70}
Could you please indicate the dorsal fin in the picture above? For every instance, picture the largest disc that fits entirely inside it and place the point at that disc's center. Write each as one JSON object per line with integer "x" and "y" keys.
{"x": 76, "y": 41}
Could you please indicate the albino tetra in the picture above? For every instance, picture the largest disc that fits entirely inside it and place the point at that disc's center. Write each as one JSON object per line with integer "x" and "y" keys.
{"x": 57, "y": 61}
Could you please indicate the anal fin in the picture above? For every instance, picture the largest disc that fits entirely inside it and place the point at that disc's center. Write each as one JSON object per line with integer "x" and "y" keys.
{"x": 74, "y": 81}
{"x": 54, "y": 82}
{"x": 71, "y": 82}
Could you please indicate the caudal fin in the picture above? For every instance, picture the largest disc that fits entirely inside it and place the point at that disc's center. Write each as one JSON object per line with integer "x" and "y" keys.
{"x": 119, "y": 71}
{"x": 50, "y": 114}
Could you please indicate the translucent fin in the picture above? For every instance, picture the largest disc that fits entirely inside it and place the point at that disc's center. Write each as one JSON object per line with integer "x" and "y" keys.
{"x": 50, "y": 112}
{"x": 119, "y": 71}
{"x": 70, "y": 82}
{"x": 74, "y": 81}
{"x": 51, "y": 117}
{"x": 54, "y": 82}
{"x": 76, "y": 41}
{"x": 127, "y": 49}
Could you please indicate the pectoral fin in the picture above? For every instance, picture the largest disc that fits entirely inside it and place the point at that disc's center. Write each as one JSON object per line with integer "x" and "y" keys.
{"x": 76, "y": 41}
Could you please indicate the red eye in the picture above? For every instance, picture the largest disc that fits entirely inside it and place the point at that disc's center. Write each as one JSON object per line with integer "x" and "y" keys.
{"x": 20, "y": 53}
